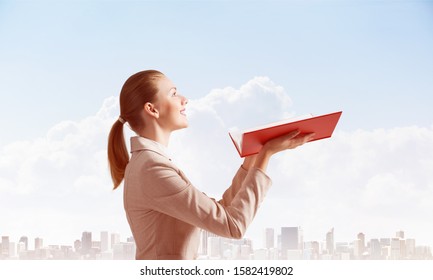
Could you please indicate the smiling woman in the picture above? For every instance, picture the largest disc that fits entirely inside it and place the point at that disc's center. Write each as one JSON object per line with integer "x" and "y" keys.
{"x": 164, "y": 210}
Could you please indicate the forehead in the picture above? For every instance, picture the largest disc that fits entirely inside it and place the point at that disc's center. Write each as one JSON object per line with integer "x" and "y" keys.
{"x": 165, "y": 84}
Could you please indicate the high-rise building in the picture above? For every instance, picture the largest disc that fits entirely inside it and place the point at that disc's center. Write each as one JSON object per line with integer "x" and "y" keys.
{"x": 311, "y": 250}
{"x": 245, "y": 251}
{"x": 402, "y": 249}
{"x": 104, "y": 241}
{"x": 124, "y": 251}
{"x": 77, "y": 245}
{"x": 289, "y": 240}
{"x": 21, "y": 248}
{"x": 330, "y": 241}
{"x": 410, "y": 248}
{"x": 399, "y": 234}
{"x": 25, "y": 240}
{"x": 86, "y": 242}
{"x": 5, "y": 246}
{"x": 204, "y": 239}
{"x": 395, "y": 252}
{"x": 360, "y": 245}
{"x": 269, "y": 241}
{"x": 214, "y": 247}
{"x": 39, "y": 243}
{"x": 375, "y": 249}
{"x": 12, "y": 250}
{"x": 385, "y": 242}
{"x": 115, "y": 239}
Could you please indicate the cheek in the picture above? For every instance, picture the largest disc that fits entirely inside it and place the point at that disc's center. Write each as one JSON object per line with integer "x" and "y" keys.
{"x": 169, "y": 110}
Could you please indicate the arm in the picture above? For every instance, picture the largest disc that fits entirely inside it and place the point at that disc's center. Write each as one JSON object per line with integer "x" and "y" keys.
{"x": 169, "y": 192}
{"x": 261, "y": 160}
{"x": 239, "y": 177}
{"x": 164, "y": 188}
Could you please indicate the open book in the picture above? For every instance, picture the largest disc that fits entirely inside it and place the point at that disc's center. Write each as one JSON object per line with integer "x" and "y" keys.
{"x": 250, "y": 141}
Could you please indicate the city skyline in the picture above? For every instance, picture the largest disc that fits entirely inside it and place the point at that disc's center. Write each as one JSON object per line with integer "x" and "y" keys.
{"x": 288, "y": 245}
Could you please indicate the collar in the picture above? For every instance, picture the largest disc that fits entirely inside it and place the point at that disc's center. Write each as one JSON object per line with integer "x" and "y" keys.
{"x": 141, "y": 143}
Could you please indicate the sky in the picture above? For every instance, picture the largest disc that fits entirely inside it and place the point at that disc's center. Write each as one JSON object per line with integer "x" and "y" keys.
{"x": 241, "y": 64}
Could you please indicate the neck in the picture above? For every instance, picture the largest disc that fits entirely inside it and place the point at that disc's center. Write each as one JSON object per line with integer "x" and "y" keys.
{"x": 156, "y": 134}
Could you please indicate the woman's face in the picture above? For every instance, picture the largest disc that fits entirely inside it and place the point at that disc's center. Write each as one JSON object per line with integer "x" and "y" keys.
{"x": 171, "y": 106}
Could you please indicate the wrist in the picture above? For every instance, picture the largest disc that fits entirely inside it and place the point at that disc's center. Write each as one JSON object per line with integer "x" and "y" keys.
{"x": 262, "y": 159}
{"x": 267, "y": 150}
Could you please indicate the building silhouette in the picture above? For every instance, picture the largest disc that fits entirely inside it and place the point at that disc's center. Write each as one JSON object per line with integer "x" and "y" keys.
{"x": 269, "y": 238}
{"x": 290, "y": 237}
{"x": 104, "y": 241}
{"x": 330, "y": 242}
{"x": 39, "y": 243}
{"x": 25, "y": 241}
{"x": 86, "y": 242}
{"x": 290, "y": 245}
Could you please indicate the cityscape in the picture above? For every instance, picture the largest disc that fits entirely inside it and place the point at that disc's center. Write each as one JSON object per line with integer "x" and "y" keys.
{"x": 288, "y": 244}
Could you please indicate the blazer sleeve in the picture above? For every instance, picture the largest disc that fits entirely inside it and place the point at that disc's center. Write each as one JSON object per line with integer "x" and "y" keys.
{"x": 168, "y": 191}
{"x": 234, "y": 188}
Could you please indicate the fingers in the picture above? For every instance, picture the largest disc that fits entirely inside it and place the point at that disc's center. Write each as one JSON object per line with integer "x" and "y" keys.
{"x": 290, "y": 140}
{"x": 310, "y": 136}
{"x": 301, "y": 140}
{"x": 293, "y": 134}
{"x": 307, "y": 137}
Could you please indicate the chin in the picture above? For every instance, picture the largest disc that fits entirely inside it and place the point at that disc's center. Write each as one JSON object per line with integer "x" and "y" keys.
{"x": 182, "y": 126}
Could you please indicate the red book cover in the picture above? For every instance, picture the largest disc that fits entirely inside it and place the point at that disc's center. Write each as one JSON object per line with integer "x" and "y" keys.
{"x": 250, "y": 141}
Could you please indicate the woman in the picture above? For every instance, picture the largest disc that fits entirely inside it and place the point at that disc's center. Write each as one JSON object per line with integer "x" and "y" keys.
{"x": 164, "y": 211}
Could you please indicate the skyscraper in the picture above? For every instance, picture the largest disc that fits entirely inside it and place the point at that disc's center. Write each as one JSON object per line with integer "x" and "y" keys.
{"x": 39, "y": 243}
{"x": 399, "y": 234}
{"x": 115, "y": 238}
{"x": 410, "y": 248}
{"x": 330, "y": 241}
{"x": 214, "y": 247}
{"x": 86, "y": 241}
{"x": 360, "y": 245}
{"x": 269, "y": 238}
{"x": 25, "y": 240}
{"x": 395, "y": 252}
{"x": 289, "y": 240}
{"x": 104, "y": 241}
{"x": 375, "y": 249}
{"x": 5, "y": 246}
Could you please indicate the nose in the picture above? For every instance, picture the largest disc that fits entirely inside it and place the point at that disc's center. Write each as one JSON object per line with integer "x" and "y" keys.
{"x": 184, "y": 100}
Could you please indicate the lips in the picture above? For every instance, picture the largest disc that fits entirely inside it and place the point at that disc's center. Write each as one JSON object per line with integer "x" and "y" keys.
{"x": 182, "y": 112}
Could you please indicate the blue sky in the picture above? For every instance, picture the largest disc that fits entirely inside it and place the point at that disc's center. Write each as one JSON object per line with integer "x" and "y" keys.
{"x": 372, "y": 59}
{"x": 61, "y": 60}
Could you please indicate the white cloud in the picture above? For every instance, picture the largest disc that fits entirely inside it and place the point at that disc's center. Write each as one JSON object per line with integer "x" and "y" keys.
{"x": 372, "y": 181}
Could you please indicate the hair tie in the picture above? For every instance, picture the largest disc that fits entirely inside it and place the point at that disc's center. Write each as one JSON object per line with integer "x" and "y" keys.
{"x": 122, "y": 120}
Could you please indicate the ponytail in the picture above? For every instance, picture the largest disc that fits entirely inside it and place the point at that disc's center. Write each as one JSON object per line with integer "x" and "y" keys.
{"x": 118, "y": 156}
{"x": 137, "y": 90}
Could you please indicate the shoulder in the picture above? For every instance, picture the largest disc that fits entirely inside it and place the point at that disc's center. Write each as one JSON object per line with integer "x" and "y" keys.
{"x": 147, "y": 159}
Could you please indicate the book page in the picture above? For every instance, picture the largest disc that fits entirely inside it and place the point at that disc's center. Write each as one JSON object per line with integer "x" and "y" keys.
{"x": 237, "y": 138}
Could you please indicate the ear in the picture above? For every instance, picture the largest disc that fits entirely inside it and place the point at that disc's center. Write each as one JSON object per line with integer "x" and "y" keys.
{"x": 150, "y": 110}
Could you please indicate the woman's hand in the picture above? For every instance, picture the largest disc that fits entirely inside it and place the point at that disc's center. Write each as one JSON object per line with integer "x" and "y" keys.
{"x": 290, "y": 140}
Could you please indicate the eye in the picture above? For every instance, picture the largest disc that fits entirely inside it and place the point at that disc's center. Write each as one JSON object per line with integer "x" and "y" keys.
{"x": 174, "y": 93}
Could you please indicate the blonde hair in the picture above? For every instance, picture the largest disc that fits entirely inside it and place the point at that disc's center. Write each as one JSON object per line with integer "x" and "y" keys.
{"x": 137, "y": 90}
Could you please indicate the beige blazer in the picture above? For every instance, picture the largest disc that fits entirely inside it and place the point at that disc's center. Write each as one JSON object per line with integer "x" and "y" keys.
{"x": 165, "y": 211}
